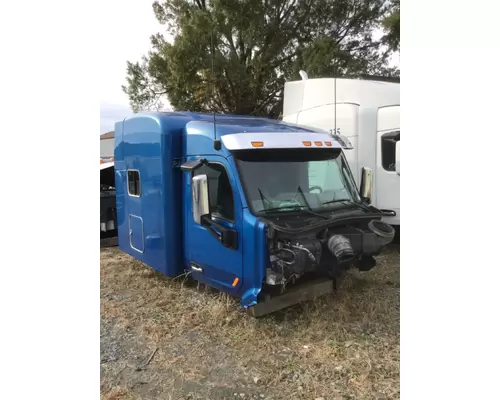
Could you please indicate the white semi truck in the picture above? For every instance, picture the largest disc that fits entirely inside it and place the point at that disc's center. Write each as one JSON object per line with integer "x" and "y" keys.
{"x": 367, "y": 113}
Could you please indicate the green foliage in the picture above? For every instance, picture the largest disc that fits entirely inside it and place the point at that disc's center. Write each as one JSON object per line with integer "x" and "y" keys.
{"x": 257, "y": 45}
{"x": 390, "y": 23}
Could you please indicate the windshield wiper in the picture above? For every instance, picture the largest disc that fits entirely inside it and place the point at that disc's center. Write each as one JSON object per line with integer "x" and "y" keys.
{"x": 347, "y": 201}
{"x": 309, "y": 208}
{"x": 262, "y": 197}
{"x": 337, "y": 201}
{"x": 294, "y": 208}
{"x": 301, "y": 192}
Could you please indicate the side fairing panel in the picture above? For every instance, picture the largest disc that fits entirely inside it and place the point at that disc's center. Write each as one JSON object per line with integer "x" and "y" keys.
{"x": 150, "y": 224}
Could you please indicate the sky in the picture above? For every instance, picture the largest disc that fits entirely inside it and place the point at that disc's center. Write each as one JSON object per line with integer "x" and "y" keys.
{"x": 128, "y": 39}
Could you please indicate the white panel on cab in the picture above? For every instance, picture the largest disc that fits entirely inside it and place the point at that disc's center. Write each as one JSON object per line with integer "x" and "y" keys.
{"x": 388, "y": 119}
{"x": 311, "y": 93}
{"x": 323, "y": 117}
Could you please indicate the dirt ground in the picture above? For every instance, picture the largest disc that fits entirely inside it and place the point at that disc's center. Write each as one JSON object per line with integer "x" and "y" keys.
{"x": 172, "y": 339}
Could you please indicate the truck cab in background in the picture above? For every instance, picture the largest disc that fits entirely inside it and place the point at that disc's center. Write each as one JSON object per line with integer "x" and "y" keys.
{"x": 367, "y": 113}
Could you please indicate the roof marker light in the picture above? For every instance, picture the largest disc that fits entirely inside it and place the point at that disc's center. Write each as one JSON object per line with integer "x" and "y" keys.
{"x": 307, "y": 143}
{"x": 343, "y": 141}
{"x": 318, "y": 143}
{"x": 258, "y": 144}
{"x": 329, "y": 144}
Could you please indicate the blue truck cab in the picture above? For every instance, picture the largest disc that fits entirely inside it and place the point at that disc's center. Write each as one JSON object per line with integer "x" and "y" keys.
{"x": 263, "y": 210}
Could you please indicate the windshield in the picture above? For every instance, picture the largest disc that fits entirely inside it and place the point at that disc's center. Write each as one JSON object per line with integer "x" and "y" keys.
{"x": 290, "y": 180}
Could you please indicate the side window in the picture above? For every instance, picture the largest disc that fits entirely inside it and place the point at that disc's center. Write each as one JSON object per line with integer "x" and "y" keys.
{"x": 219, "y": 190}
{"x": 134, "y": 183}
{"x": 388, "y": 147}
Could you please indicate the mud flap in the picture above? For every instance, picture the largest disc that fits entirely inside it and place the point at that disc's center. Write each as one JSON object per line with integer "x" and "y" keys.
{"x": 293, "y": 295}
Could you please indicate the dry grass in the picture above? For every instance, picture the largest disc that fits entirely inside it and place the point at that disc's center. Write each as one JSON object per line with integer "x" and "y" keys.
{"x": 340, "y": 347}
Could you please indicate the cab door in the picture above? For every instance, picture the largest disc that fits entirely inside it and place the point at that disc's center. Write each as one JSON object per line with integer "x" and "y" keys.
{"x": 209, "y": 259}
{"x": 387, "y": 182}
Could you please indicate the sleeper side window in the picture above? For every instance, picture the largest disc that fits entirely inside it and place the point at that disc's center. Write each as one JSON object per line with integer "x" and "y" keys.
{"x": 220, "y": 192}
{"x": 134, "y": 183}
{"x": 389, "y": 141}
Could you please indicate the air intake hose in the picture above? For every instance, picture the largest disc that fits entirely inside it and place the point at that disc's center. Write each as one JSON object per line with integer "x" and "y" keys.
{"x": 341, "y": 248}
{"x": 384, "y": 231}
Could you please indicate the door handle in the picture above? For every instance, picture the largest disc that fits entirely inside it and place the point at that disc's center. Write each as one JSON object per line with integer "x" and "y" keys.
{"x": 197, "y": 269}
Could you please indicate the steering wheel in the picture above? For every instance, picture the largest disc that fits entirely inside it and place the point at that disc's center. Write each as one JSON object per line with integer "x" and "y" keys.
{"x": 316, "y": 188}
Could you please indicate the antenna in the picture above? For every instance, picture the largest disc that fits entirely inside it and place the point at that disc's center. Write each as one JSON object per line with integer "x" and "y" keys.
{"x": 335, "y": 96}
{"x": 217, "y": 144}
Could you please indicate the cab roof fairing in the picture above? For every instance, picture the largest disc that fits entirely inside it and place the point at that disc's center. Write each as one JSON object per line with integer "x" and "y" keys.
{"x": 286, "y": 140}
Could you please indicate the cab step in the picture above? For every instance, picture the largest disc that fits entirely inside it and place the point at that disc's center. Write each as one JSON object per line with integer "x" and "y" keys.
{"x": 293, "y": 295}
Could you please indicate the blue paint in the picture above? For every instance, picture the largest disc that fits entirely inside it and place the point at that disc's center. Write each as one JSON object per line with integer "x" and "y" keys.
{"x": 158, "y": 228}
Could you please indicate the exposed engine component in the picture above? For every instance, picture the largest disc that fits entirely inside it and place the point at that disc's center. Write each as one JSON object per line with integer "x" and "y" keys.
{"x": 366, "y": 240}
{"x": 308, "y": 252}
{"x": 289, "y": 260}
{"x": 341, "y": 248}
{"x": 385, "y": 232}
{"x": 305, "y": 255}
{"x": 330, "y": 250}
{"x": 275, "y": 274}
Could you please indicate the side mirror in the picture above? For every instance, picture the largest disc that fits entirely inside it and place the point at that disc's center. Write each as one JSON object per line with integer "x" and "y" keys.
{"x": 365, "y": 189}
{"x": 398, "y": 157}
{"x": 199, "y": 195}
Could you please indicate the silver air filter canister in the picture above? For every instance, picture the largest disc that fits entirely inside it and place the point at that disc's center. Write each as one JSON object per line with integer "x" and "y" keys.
{"x": 341, "y": 248}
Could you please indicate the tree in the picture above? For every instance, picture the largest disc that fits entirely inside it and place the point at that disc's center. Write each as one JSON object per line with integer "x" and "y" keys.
{"x": 390, "y": 23}
{"x": 234, "y": 56}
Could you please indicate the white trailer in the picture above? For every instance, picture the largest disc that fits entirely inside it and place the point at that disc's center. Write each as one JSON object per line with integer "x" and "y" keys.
{"x": 367, "y": 113}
